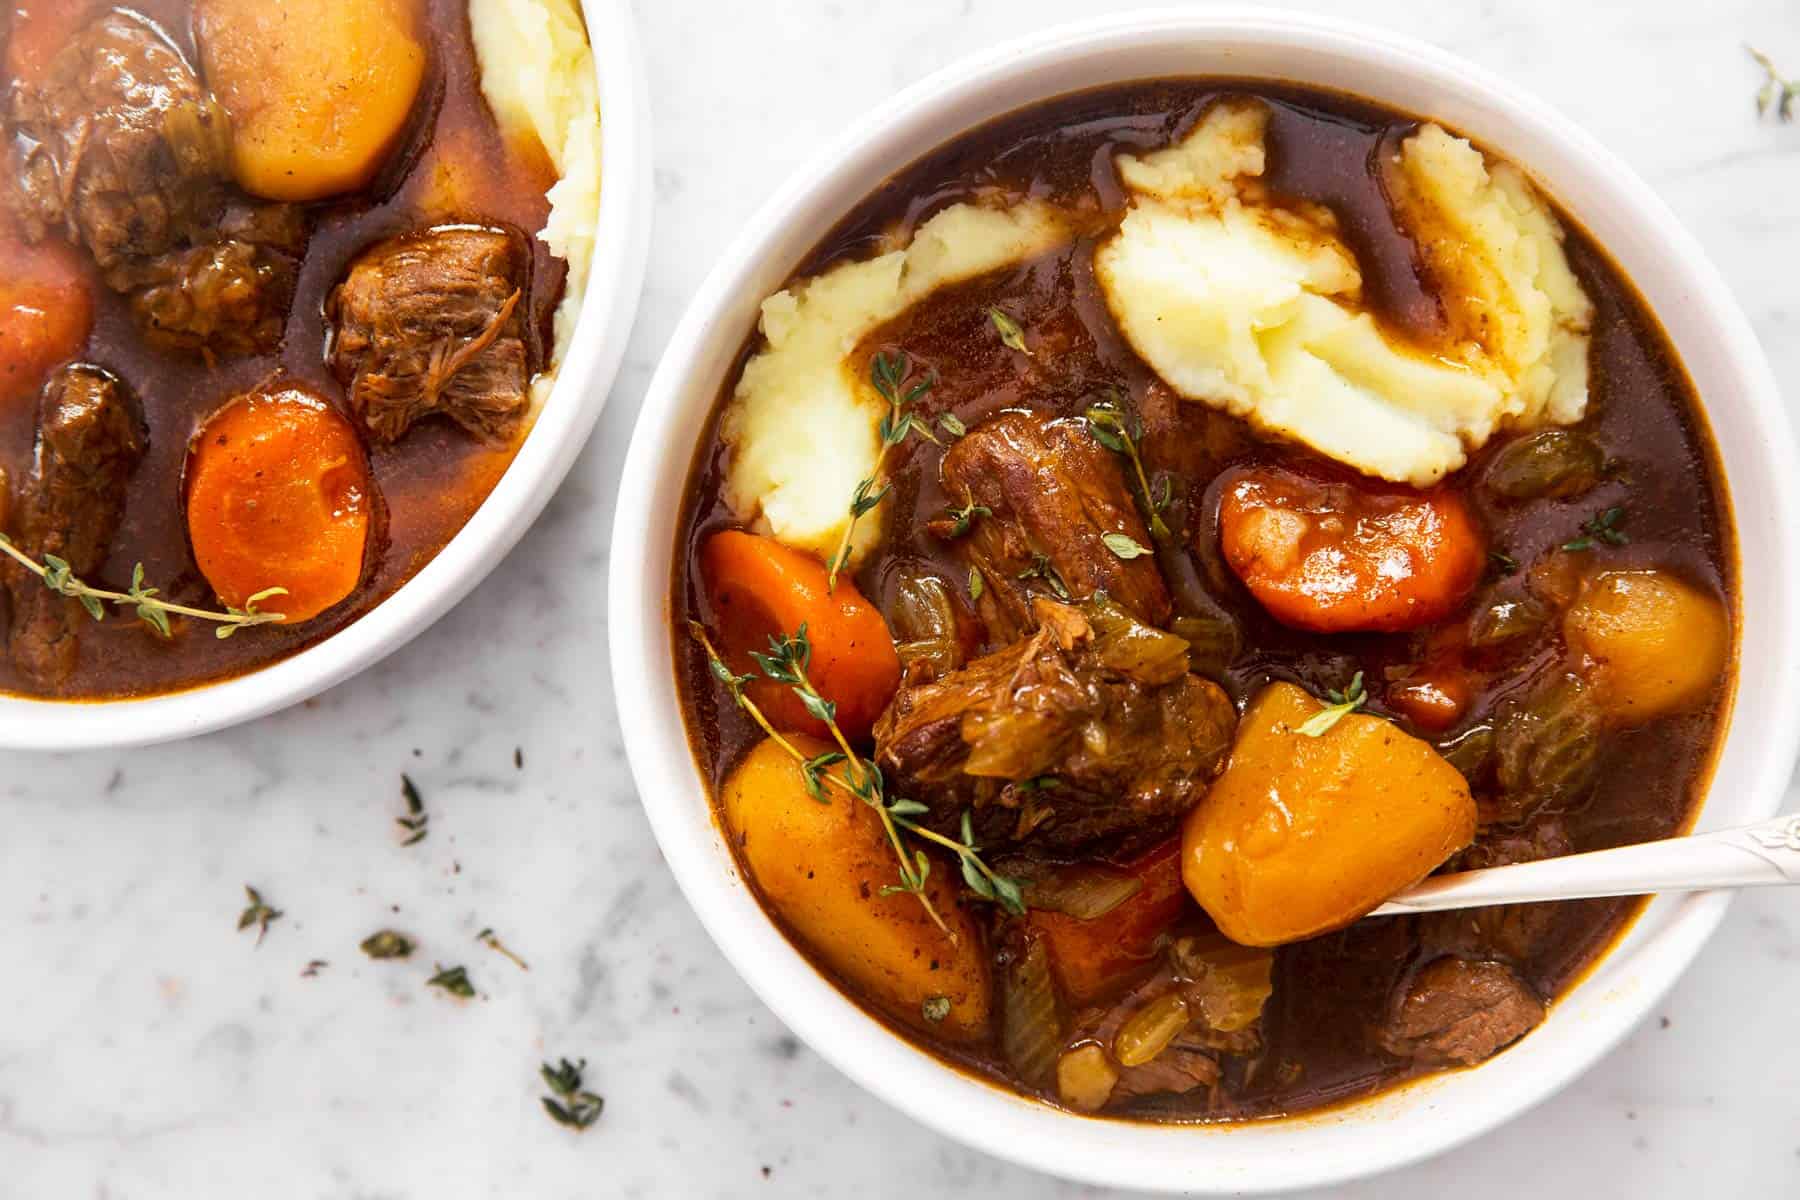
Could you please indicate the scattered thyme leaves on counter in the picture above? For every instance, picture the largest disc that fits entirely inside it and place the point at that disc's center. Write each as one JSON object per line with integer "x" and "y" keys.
{"x": 487, "y": 938}
{"x": 454, "y": 980}
{"x": 388, "y": 943}
{"x": 572, "y": 1105}
{"x": 257, "y": 913}
{"x": 313, "y": 968}
{"x": 417, "y": 821}
{"x": 1778, "y": 93}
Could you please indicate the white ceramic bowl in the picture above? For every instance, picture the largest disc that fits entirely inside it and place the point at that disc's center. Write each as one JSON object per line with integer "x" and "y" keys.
{"x": 621, "y": 250}
{"x": 1713, "y": 339}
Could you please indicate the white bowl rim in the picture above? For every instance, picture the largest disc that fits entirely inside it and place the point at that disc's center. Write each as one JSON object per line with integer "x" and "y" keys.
{"x": 1391, "y": 1130}
{"x": 584, "y": 381}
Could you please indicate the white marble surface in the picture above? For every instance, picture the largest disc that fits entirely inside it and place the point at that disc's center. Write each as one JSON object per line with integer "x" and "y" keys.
{"x": 148, "y": 1050}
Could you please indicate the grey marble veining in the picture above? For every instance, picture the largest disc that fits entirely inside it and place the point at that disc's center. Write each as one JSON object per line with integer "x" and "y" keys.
{"x": 148, "y": 1050}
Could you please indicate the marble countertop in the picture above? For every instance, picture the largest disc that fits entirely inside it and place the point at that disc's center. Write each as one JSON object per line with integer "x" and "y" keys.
{"x": 148, "y": 1049}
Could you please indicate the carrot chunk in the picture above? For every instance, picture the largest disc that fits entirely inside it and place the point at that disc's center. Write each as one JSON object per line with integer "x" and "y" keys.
{"x": 46, "y": 313}
{"x": 759, "y": 588}
{"x": 1339, "y": 555}
{"x": 1095, "y": 957}
{"x": 278, "y": 495}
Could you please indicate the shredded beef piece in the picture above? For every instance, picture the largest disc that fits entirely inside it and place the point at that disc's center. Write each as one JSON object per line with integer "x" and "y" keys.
{"x": 1458, "y": 1012}
{"x": 90, "y": 438}
{"x": 119, "y": 147}
{"x": 435, "y": 322}
{"x": 1054, "y": 494}
{"x": 1053, "y": 748}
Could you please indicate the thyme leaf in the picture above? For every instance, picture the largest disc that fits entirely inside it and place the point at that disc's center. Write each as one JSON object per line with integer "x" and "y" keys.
{"x": 258, "y": 913}
{"x": 145, "y": 602}
{"x": 976, "y": 584}
{"x": 1602, "y": 528}
{"x": 388, "y": 943}
{"x": 570, "y": 1103}
{"x": 454, "y": 980}
{"x": 1010, "y": 331}
{"x": 952, "y": 425}
{"x": 1778, "y": 93}
{"x": 935, "y": 1008}
{"x": 1124, "y": 546}
{"x": 417, "y": 821}
{"x": 1041, "y": 568}
{"x": 1342, "y": 705}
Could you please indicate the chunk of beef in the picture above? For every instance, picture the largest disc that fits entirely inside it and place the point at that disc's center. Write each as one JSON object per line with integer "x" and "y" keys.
{"x": 1054, "y": 494}
{"x": 1502, "y": 930}
{"x": 1078, "y": 735}
{"x": 119, "y": 146}
{"x": 435, "y": 322}
{"x": 121, "y": 149}
{"x": 225, "y": 297}
{"x": 1457, "y": 1012}
{"x": 90, "y": 438}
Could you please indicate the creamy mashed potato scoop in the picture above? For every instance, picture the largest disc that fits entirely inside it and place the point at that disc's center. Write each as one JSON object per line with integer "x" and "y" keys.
{"x": 801, "y": 428}
{"x": 1256, "y": 308}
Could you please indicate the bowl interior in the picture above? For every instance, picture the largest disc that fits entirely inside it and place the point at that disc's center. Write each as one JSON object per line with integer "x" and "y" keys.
{"x": 1709, "y": 333}
{"x": 549, "y": 450}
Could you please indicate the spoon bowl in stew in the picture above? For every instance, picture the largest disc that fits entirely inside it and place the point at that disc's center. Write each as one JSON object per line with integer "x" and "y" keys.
{"x": 652, "y": 652}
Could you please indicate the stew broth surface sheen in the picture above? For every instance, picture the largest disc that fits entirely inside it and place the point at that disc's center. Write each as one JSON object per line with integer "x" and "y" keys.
{"x": 426, "y": 485}
{"x": 1324, "y": 148}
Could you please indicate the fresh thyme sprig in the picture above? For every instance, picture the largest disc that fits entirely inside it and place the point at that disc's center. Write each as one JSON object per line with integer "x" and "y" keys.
{"x": 1042, "y": 568}
{"x": 1602, "y": 527}
{"x": 573, "y": 1105}
{"x": 1342, "y": 705}
{"x": 962, "y": 518}
{"x": 153, "y": 611}
{"x": 1121, "y": 434}
{"x": 888, "y": 374}
{"x": 787, "y": 662}
{"x": 1778, "y": 92}
{"x": 257, "y": 913}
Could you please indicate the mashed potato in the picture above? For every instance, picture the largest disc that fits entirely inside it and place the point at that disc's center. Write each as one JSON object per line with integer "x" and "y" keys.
{"x": 801, "y": 425}
{"x": 537, "y": 72}
{"x": 1256, "y": 309}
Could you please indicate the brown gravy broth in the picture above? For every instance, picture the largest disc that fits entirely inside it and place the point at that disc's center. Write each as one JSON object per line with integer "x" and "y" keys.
{"x": 1330, "y": 991}
{"x": 427, "y": 485}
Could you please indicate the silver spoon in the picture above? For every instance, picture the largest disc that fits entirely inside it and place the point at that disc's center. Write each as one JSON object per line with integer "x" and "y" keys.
{"x": 1764, "y": 855}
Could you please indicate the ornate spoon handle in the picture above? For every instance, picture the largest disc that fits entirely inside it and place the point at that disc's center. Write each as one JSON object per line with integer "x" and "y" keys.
{"x": 1762, "y": 855}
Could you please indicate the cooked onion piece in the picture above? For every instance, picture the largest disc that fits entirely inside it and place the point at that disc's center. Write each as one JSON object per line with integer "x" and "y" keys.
{"x": 1255, "y": 308}
{"x": 1304, "y": 834}
{"x": 278, "y": 495}
{"x": 801, "y": 428}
